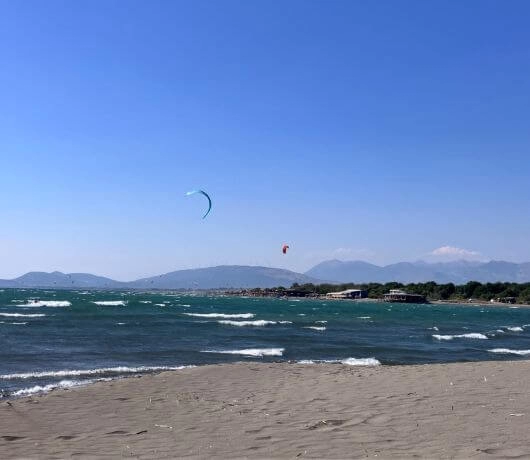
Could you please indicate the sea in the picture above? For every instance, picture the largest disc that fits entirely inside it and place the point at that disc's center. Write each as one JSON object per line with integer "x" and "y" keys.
{"x": 52, "y": 339}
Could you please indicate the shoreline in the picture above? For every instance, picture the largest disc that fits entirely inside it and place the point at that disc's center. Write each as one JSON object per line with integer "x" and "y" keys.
{"x": 281, "y": 410}
{"x": 464, "y": 303}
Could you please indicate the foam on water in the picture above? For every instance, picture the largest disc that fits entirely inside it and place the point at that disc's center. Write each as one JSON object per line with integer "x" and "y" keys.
{"x": 110, "y": 303}
{"x": 221, "y": 315}
{"x": 259, "y": 352}
{"x": 22, "y": 315}
{"x": 363, "y": 317}
{"x": 473, "y": 335}
{"x": 515, "y": 329}
{"x": 316, "y": 328}
{"x": 47, "y": 303}
{"x": 347, "y": 361}
{"x": 321, "y": 322}
{"x": 145, "y": 301}
{"x": 160, "y": 305}
{"x": 361, "y": 362}
{"x": 257, "y": 323}
{"x": 510, "y": 351}
{"x": 86, "y": 372}
{"x": 63, "y": 384}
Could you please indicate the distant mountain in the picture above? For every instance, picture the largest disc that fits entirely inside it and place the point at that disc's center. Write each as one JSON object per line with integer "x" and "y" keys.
{"x": 242, "y": 276}
{"x": 61, "y": 280}
{"x": 225, "y": 276}
{"x": 458, "y": 272}
{"x": 228, "y": 276}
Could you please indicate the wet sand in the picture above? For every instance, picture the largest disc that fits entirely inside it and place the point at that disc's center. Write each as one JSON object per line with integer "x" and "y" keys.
{"x": 259, "y": 410}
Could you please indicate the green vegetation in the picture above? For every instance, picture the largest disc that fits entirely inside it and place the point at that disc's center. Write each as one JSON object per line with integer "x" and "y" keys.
{"x": 505, "y": 292}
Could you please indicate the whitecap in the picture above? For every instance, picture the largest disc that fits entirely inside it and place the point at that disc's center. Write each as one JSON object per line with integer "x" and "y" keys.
{"x": 184, "y": 305}
{"x": 316, "y": 328}
{"x": 85, "y": 372}
{"x": 47, "y": 303}
{"x": 434, "y": 328}
{"x": 285, "y": 322}
{"x": 251, "y": 352}
{"x": 145, "y": 301}
{"x": 363, "y": 317}
{"x": 321, "y": 322}
{"x": 258, "y": 323}
{"x": 221, "y": 315}
{"x": 473, "y": 335}
{"x": 160, "y": 305}
{"x": 22, "y": 315}
{"x": 515, "y": 329}
{"x": 510, "y": 351}
{"x": 110, "y": 303}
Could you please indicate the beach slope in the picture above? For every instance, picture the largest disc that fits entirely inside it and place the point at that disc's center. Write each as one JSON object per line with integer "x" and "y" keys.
{"x": 260, "y": 410}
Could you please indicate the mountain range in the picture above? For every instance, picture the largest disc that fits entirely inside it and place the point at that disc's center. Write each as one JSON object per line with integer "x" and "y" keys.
{"x": 227, "y": 276}
{"x": 242, "y": 276}
{"x": 458, "y": 272}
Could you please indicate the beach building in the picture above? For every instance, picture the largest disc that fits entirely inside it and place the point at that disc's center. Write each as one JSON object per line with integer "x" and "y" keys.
{"x": 348, "y": 294}
{"x": 397, "y": 295}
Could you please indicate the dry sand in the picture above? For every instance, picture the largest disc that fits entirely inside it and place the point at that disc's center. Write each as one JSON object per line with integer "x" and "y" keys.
{"x": 258, "y": 410}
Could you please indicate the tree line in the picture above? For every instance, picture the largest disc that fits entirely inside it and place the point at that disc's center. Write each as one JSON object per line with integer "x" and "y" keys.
{"x": 516, "y": 292}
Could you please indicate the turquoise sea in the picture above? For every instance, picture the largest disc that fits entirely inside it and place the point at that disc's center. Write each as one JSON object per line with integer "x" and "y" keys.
{"x": 58, "y": 339}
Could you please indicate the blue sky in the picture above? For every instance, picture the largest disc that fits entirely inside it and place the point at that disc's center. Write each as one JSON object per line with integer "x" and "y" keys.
{"x": 355, "y": 130}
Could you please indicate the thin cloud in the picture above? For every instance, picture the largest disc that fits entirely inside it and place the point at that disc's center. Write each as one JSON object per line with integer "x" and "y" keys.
{"x": 452, "y": 251}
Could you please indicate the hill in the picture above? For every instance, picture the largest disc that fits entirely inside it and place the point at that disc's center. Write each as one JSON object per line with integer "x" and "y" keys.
{"x": 458, "y": 272}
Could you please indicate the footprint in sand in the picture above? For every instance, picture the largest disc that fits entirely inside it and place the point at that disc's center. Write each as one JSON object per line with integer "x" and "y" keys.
{"x": 13, "y": 438}
{"x": 378, "y": 419}
{"x": 506, "y": 452}
{"x": 326, "y": 424}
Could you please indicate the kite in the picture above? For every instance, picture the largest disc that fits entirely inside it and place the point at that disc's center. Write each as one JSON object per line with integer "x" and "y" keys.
{"x": 202, "y": 192}
{"x": 284, "y": 248}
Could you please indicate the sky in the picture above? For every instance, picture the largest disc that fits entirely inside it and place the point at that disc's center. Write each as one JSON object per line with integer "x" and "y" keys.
{"x": 379, "y": 131}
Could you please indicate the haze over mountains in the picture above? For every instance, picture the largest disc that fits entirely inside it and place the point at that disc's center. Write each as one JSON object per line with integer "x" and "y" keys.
{"x": 458, "y": 272}
{"x": 227, "y": 276}
{"x": 242, "y": 276}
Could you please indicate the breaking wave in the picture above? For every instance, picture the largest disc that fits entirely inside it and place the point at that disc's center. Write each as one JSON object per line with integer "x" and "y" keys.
{"x": 510, "y": 351}
{"x": 347, "y": 361}
{"x": 47, "y": 303}
{"x": 260, "y": 352}
{"x": 86, "y": 372}
{"x": 110, "y": 303}
{"x": 22, "y": 315}
{"x": 257, "y": 323}
{"x": 472, "y": 335}
{"x": 221, "y": 315}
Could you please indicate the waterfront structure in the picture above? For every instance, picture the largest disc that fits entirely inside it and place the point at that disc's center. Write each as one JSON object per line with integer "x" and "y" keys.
{"x": 348, "y": 294}
{"x": 397, "y": 295}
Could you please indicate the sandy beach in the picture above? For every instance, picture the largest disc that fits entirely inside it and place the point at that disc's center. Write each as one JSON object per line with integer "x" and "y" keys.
{"x": 258, "y": 410}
